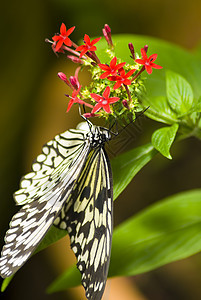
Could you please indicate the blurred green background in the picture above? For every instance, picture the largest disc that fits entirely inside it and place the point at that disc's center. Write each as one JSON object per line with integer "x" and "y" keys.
{"x": 33, "y": 109}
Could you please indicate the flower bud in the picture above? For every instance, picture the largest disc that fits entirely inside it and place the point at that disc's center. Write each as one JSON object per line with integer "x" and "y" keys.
{"x": 107, "y": 28}
{"x": 146, "y": 48}
{"x": 125, "y": 103}
{"x": 107, "y": 35}
{"x": 75, "y": 59}
{"x": 75, "y": 83}
{"x": 131, "y": 47}
{"x": 89, "y": 115}
{"x": 62, "y": 76}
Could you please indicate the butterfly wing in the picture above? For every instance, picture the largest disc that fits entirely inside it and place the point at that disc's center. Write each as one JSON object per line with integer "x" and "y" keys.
{"x": 56, "y": 157}
{"x": 88, "y": 217}
{"x": 31, "y": 223}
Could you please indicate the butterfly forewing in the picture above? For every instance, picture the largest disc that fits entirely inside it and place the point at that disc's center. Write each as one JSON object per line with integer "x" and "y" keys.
{"x": 88, "y": 219}
{"x": 56, "y": 157}
{"x": 31, "y": 223}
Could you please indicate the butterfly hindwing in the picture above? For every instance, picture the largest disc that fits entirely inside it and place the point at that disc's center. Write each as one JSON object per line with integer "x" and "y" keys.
{"x": 88, "y": 219}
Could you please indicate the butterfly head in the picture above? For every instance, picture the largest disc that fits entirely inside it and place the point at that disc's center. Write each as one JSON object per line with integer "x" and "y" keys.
{"x": 98, "y": 136}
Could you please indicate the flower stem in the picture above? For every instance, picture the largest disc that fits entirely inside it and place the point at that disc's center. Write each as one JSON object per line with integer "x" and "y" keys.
{"x": 138, "y": 74}
{"x": 128, "y": 92}
{"x": 70, "y": 50}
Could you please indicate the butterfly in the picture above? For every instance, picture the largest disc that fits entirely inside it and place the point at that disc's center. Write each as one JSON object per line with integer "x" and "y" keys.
{"x": 70, "y": 186}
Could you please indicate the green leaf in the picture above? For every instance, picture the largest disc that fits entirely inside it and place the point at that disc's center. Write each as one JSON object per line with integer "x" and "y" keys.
{"x": 196, "y": 108}
{"x": 163, "y": 138}
{"x": 6, "y": 283}
{"x": 179, "y": 93}
{"x": 127, "y": 165}
{"x": 165, "y": 232}
{"x": 159, "y": 110}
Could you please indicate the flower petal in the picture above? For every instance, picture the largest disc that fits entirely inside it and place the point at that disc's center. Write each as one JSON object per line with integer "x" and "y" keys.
{"x": 70, "y": 30}
{"x": 59, "y": 45}
{"x": 63, "y": 29}
{"x": 67, "y": 42}
{"x": 56, "y": 38}
{"x": 95, "y": 41}
{"x": 93, "y": 48}
{"x": 144, "y": 54}
{"x": 70, "y": 105}
{"x": 127, "y": 82}
{"x": 117, "y": 85}
{"x": 148, "y": 69}
{"x": 106, "y": 92}
{"x": 83, "y": 52}
{"x": 97, "y": 107}
{"x": 96, "y": 97}
{"x": 104, "y": 67}
{"x": 107, "y": 108}
{"x": 113, "y": 63}
{"x": 80, "y": 48}
{"x": 155, "y": 66}
{"x": 153, "y": 57}
{"x": 140, "y": 61}
{"x": 104, "y": 75}
{"x": 87, "y": 39}
{"x": 119, "y": 66}
{"x": 113, "y": 99}
{"x": 129, "y": 73}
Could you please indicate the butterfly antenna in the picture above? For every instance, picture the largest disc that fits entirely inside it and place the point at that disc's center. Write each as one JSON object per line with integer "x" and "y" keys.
{"x": 134, "y": 119}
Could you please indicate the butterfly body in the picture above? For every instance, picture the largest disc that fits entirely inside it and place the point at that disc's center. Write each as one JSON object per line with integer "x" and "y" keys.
{"x": 70, "y": 186}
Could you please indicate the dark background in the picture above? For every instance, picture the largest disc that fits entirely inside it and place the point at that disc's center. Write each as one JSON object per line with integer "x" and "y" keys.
{"x": 33, "y": 110}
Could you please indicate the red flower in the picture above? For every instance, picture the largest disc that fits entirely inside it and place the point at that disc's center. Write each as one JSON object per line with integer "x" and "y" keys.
{"x": 103, "y": 101}
{"x": 89, "y": 45}
{"x": 63, "y": 38}
{"x": 148, "y": 61}
{"x": 112, "y": 69}
{"x": 75, "y": 99}
{"x": 122, "y": 78}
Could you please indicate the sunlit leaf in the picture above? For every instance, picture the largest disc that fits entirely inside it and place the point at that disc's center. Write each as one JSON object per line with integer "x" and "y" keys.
{"x": 159, "y": 110}
{"x": 163, "y": 138}
{"x": 179, "y": 93}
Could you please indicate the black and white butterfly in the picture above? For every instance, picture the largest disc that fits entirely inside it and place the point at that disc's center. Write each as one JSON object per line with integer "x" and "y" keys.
{"x": 70, "y": 186}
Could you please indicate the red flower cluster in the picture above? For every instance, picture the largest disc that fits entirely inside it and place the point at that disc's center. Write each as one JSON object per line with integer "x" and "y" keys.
{"x": 117, "y": 73}
{"x": 113, "y": 71}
